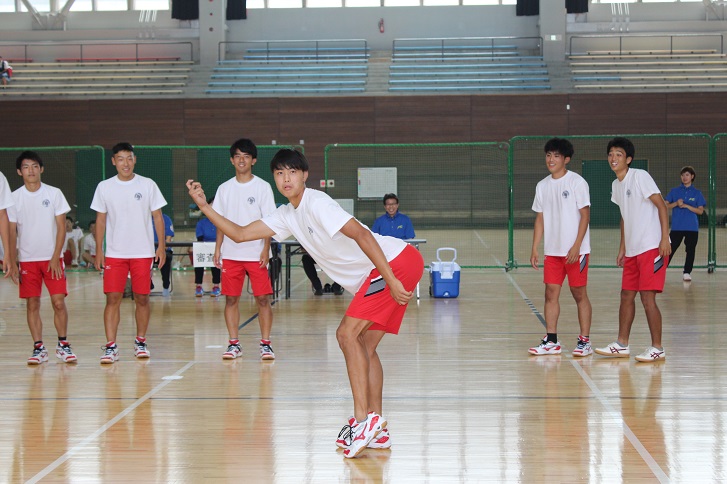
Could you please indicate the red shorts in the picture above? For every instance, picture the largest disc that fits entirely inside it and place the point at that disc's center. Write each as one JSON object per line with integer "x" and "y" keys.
{"x": 67, "y": 257}
{"x": 233, "y": 278}
{"x": 373, "y": 301}
{"x": 644, "y": 272}
{"x": 34, "y": 274}
{"x": 116, "y": 271}
{"x": 555, "y": 269}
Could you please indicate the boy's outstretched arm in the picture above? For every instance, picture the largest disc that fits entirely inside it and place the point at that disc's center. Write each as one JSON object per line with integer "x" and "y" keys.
{"x": 354, "y": 230}
{"x": 254, "y": 231}
{"x": 664, "y": 245}
{"x": 538, "y": 229}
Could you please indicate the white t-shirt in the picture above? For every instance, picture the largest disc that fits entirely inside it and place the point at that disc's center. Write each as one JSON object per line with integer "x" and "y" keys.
{"x": 243, "y": 203}
{"x": 6, "y": 196}
{"x": 316, "y": 224}
{"x": 642, "y": 230}
{"x": 560, "y": 202}
{"x": 128, "y": 205}
{"x": 89, "y": 244}
{"x": 35, "y": 215}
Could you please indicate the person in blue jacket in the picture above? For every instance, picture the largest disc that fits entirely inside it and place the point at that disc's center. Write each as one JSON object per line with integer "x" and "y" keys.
{"x": 687, "y": 203}
{"x": 393, "y": 223}
{"x": 206, "y": 232}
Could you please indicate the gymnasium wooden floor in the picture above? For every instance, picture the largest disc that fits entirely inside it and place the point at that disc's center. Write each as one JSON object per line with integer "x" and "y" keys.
{"x": 464, "y": 400}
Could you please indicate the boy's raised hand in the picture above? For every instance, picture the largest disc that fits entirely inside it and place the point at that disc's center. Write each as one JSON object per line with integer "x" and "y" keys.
{"x": 196, "y": 192}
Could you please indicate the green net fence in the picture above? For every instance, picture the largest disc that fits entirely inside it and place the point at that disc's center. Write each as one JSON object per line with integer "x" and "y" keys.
{"x": 475, "y": 197}
{"x": 455, "y": 194}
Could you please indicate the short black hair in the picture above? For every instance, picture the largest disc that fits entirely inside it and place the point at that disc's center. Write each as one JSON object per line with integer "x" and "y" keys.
{"x": 245, "y": 146}
{"x": 92, "y": 222}
{"x": 689, "y": 169}
{"x": 28, "y": 155}
{"x": 623, "y": 143}
{"x": 287, "y": 158}
{"x": 123, "y": 146}
{"x": 68, "y": 217}
{"x": 389, "y": 196}
{"x": 559, "y": 145}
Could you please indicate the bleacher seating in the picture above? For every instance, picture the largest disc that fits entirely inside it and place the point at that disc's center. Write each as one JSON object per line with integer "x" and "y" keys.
{"x": 643, "y": 71}
{"x": 99, "y": 78}
{"x": 292, "y": 70}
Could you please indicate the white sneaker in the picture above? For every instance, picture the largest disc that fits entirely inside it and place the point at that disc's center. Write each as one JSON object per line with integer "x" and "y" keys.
{"x": 110, "y": 354}
{"x": 141, "y": 350}
{"x": 546, "y": 348}
{"x": 614, "y": 350}
{"x": 65, "y": 353}
{"x": 583, "y": 348}
{"x": 687, "y": 277}
{"x": 233, "y": 351}
{"x": 40, "y": 355}
{"x": 363, "y": 433}
{"x": 381, "y": 441}
{"x": 651, "y": 354}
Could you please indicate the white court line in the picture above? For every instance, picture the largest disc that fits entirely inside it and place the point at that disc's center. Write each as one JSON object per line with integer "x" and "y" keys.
{"x": 658, "y": 472}
{"x": 78, "y": 447}
{"x": 484, "y": 242}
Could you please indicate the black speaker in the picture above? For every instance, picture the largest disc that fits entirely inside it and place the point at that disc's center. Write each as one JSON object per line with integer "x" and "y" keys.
{"x": 237, "y": 10}
{"x": 527, "y": 7}
{"x": 185, "y": 9}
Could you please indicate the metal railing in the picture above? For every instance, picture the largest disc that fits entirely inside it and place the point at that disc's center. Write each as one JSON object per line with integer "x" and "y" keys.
{"x": 312, "y": 49}
{"x": 120, "y": 49}
{"x": 448, "y": 45}
{"x": 664, "y": 41}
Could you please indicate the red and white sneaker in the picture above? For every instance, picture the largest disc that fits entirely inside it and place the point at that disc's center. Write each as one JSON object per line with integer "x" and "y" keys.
{"x": 583, "y": 348}
{"x": 110, "y": 354}
{"x": 234, "y": 350}
{"x": 40, "y": 355}
{"x": 363, "y": 433}
{"x": 545, "y": 348}
{"x": 65, "y": 353}
{"x": 345, "y": 435}
{"x": 140, "y": 349}
{"x": 651, "y": 354}
{"x": 381, "y": 441}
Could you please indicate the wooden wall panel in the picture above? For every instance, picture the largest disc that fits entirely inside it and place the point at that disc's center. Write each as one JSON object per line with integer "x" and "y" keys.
{"x": 44, "y": 123}
{"x": 699, "y": 112}
{"x": 499, "y": 118}
{"x": 222, "y": 121}
{"x": 423, "y": 119}
{"x": 617, "y": 113}
{"x": 323, "y": 121}
{"x": 138, "y": 121}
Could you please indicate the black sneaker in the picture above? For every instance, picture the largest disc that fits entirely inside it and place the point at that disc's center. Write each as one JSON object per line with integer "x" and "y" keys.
{"x": 327, "y": 288}
{"x": 336, "y": 289}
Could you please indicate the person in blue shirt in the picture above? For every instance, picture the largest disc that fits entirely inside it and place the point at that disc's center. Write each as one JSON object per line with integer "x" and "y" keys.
{"x": 393, "y": 223}
{"x": 687, "y": 203}
{"x": 166, "y": 269}
{"x": 206, "y": 232}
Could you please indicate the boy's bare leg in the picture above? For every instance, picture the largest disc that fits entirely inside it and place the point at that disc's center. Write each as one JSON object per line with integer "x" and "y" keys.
{"x": 376, "y": 371}
{"x": 232, "y": 316}
{"x": 35, "y": 324}
{"x": 60, "y": 313}
{"x": 265, "y": 315}
{"x": 112, "y": 314}
{"x": 626, "y": 313}
{"x": 350, "y": 336}
{"x": 653, "y": 316}
{"x": 142, "y": 313}
{"x": 552, "y": 307}
{"x": 585, "y": 311}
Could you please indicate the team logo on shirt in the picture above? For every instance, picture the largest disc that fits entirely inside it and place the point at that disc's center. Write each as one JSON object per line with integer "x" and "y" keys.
{"x": 137, "y": 195}
{"x": 566, "y": 194}
{"x": 310, "y": 231}
{"x": 46, "y": 203}
{"x": 628, "y": 193}
{"x": 251, "y": 200}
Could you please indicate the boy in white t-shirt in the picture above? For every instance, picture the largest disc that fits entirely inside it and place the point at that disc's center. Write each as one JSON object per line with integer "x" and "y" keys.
{"x": 242, "y": 200}
{"x": 644, "y": 250}
{"x": 380, "y": 271}
{"x": 125, "y": 205}
{"x": 37, "y": 229}
{"x": 563, "y": 206}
